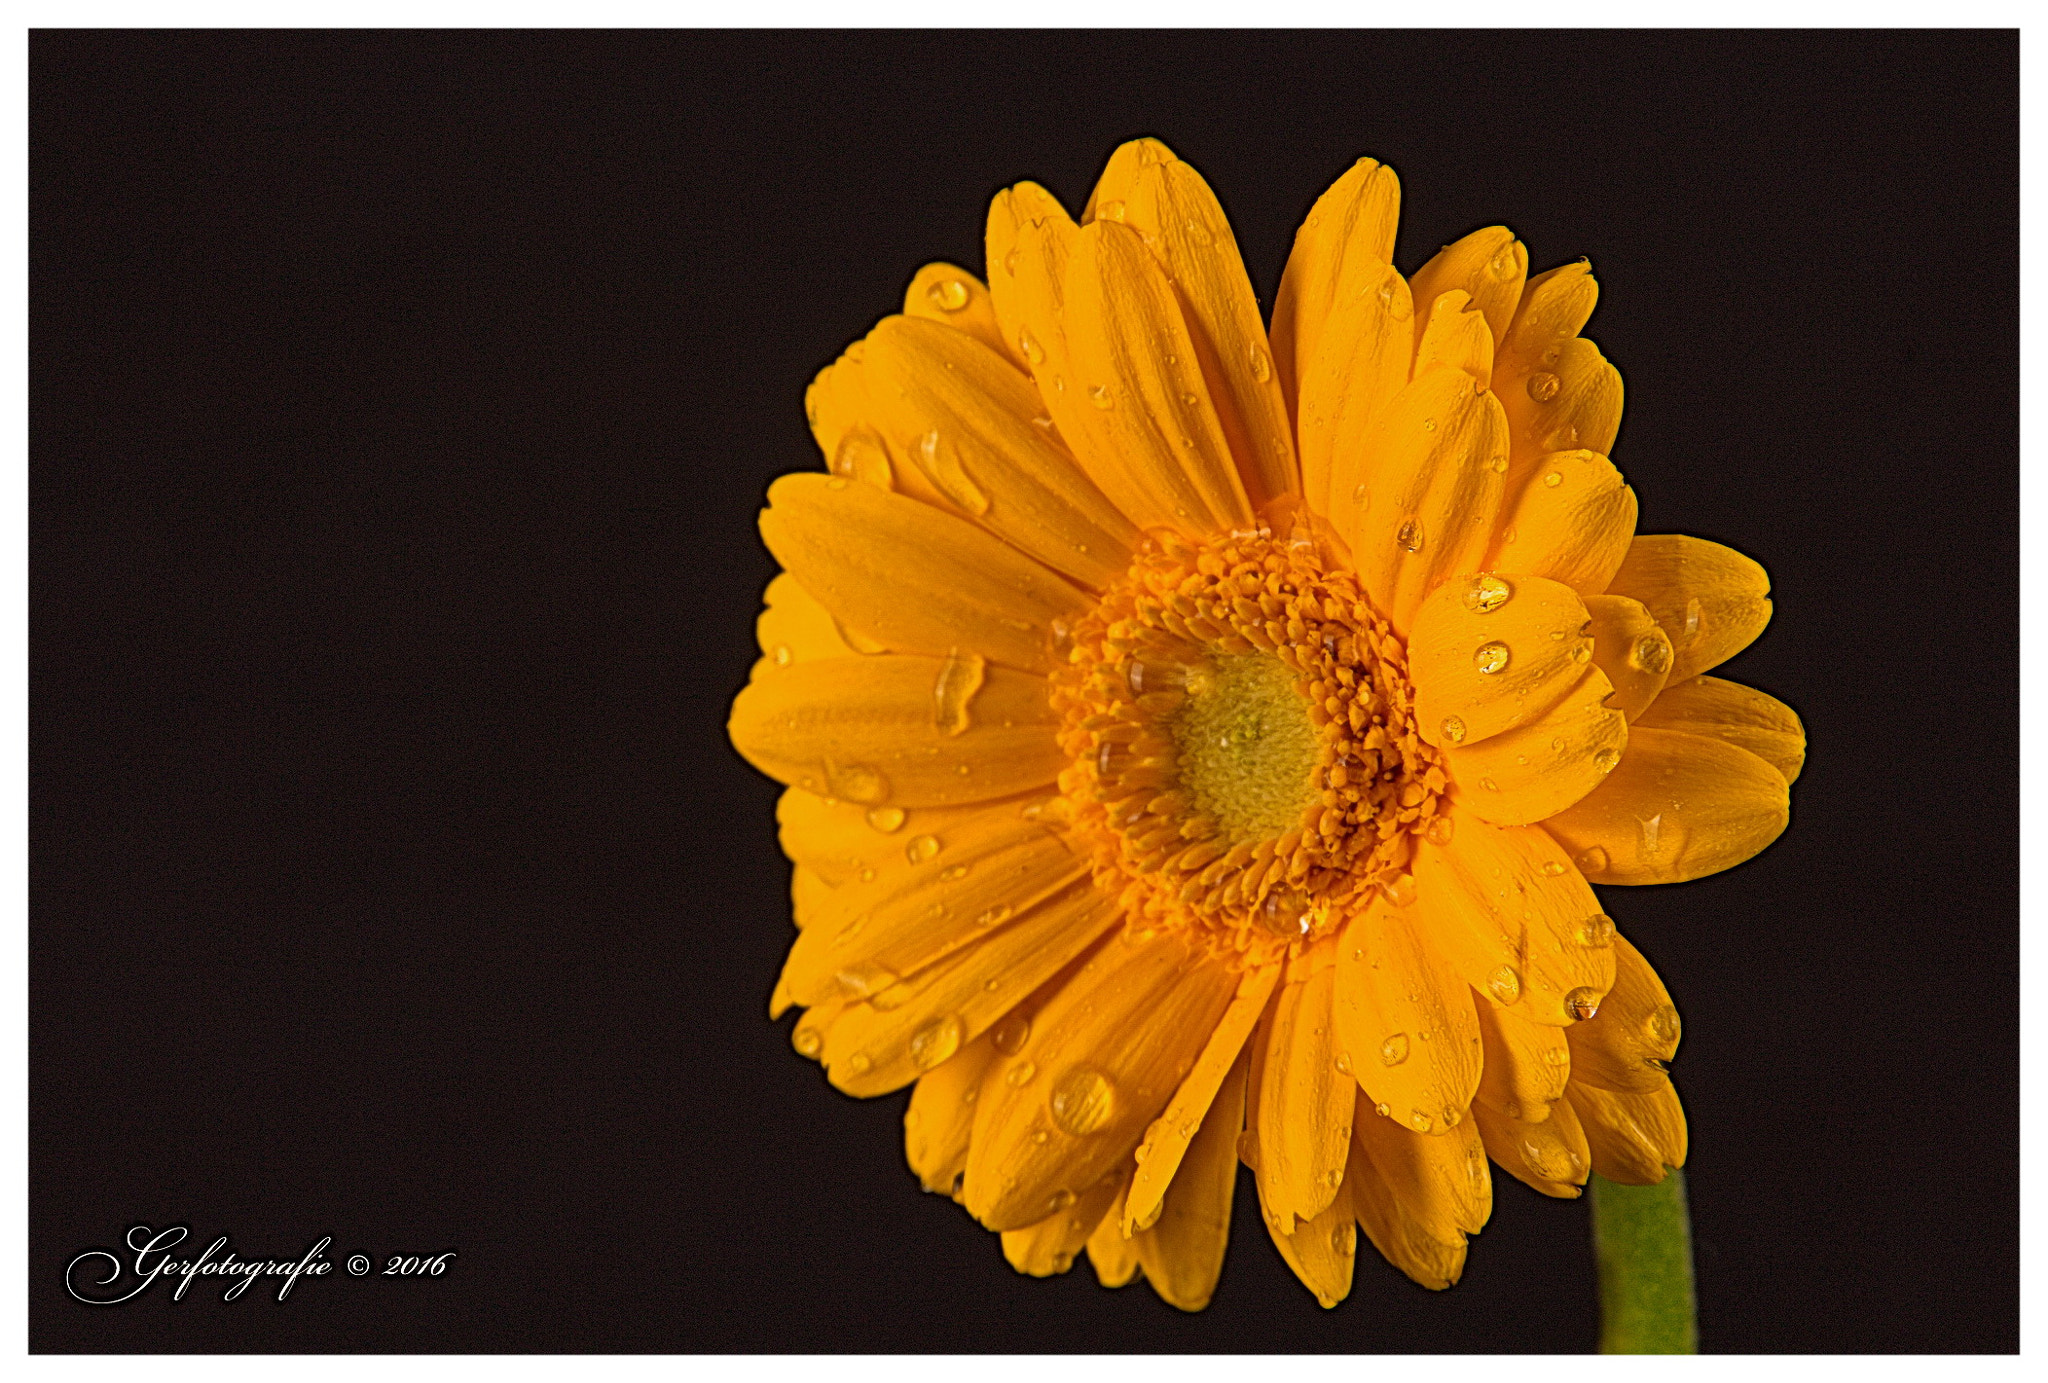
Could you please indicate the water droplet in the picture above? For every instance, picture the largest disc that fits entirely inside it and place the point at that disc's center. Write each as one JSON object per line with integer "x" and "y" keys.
{"x": 1361, "y": 497}
{"x": 1098, "y": 394}
{"x": 784, "y": 655}
{"x": 1394, "y": 1050}
{"x": 1010, "y": 261}
{"x": 1652, "y": 828}
{"x": 1553, "y": 480}
{"x": 886, "y": 819}
{"x": 1020, "y": 1074}
{"x": 1606, "y": 759}
{"x": 960, "y": 677}
{"x": 935, "y": 1041}
{"x": 1262, "y": 368}
{"x": 1400, "y": 889}
{"x": 1041, "y": 1137}
{"x": 1441, "y": 828}
{"x": 1505, "y": 984}
{"x": 1384, "y": 1110}
{"x": 1083, "y": 1100}
{"x": 953, "y": 873}
{"x": 949, "y": 294}
{"x": 1554, "y": 867}
{"x": 1333, "y": 1179}
{"x": 1429, "y": 424}
{"x": 1490, "y": 658}
{"x": 1028, "y": 346}
{"x": 1663, "y": 1024}
{"x": 921, "y": 848}
{"x": 943, "y": 465}
{"x": 862, "y": 980}
{"x": 809, "y": 1041}
{"x": 1499, "y": 465}
{"x": 1410, "y": 536}
{"x": 1487, "y": 594}
{"x": 861, "y": 1063}
{"x": 1652, "y": 654}
{"x": 862, "y": 456}
{"x": 1110, "y": 211}
{"x": 856, "y": 783}
{"x": 1489, "y": 785}
{"x": 1583, "y": 1003}
{"x": 1543, "y": 386}
{"x": 1058, "y": 1201}
{"x": 999, "y": 913}
{"x": 1597, "y": 930}
{"x": 1343, "y": 1063}
{"x": 1010, "y": 1035}
{"x": 1692, "y": 620}
{"x": 1454, "y": 729}
{"x": 1418, "y": 1121}
{"x": 1592, "y": 860}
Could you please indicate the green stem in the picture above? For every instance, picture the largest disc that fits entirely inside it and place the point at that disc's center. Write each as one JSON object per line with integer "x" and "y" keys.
{"x": 1642, "y": 1243}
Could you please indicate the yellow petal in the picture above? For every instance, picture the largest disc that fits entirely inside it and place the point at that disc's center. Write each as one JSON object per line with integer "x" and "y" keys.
{"x": 941, "y": 1116}
{"x": 1633, "y": 1138}
{"x": 809, "y": 894}
{"x": 1183, "y": 1252}
{"x": 1353, "y": 221}
{"x": 869, "y": 934}
{"x": 811, "y": 1030}
{"x": 1488, "y": 266}
{"x": 1740, "y": 715}
{"x": 1631, "y": 649}
{"x": 1364, "y": 351}
{"x": 844, "y": 415}
{"x": 1536, "y": 771}
{"x": 1171, "y": 207}
{"x": 1505, "y": 908}
{"x": 1048, "y": 1247}
{"x": 1103, "y": 1057}
{"x": 1428, "y": 1261}
{"x": 952, "y": 297}
{"x": 873, "y": 731}
{"x": 1551, "y": 1157}
{"x": 1456, "y": 336}
{"x": 1432, "y": 493}
{"x": 1404, "y": 1020}
{"x": 1304, "y": 1100}
{"x": 795, "y": 628}
{"x": 1440, "y": 1186}
{"x": 842, "y": 842}
{"x": 921, "y": 1019}
{"x": 1575, "y": 529}
{"x": 1627, "y": 1045}
{"x": 1114, "y": 1255}
{"x": 1489, "y": 653}
{"x": 1554, "y": 307}
{"x": 1156, "y": 447}
{"x": 913, "y": 578}
{"x": 1573, "y": 403}
{"x": 1322, "y": 1250}
{"x": 1527, "y": 1064}
{"x": 1679, "y": 807}
{"x": 1710, "y": 599}
{"x": 978, "y": 431}
{"x": 1166, "y": 1141}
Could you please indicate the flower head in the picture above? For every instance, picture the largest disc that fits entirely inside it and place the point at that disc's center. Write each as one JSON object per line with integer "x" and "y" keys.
{"x": 1200, "y": 738}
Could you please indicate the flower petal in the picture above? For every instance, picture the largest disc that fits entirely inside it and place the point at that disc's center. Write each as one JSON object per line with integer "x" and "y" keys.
{"x": 913, "y": 578}
{"x": 1627, "y": 1045}
{"x": 1528, "y": 774}
{"x": 1456, "y": 336}
{"x": 1527, "y": 1064}
{"x": 842, "y": 409}
{"x": 808, "y": 893}
{"x": 952, "y": 297}
{"x": 1575, "y": 529}
{"x": 1490, "y": 653}
{"x": 1488, "y": 266}
{"x": 794, "y": 628}
{"x": 1364, "y": 352}
{"x": 1571, "y": 403}
{"x": 1352, "y": 222}
{"x": 870, "y": 934}
{"x": 965, "y": 420}
{"x": 1734, "y": 713}
{"x": 1105, "y": 1054}
{"x": 869, "y": 730}
{"x": 907, "y": 1027}
{"x": 1048, "y": 1247}
{"x": 941, "y": 1116}
{"x": 1505, "y": 908}
{"x": 1633, "y": 1138}
{"x": 1631, "y": 650}
{"x": 1679, "y": 807}
{"x": 1114, "y": 1255}
{"x": 1440, "y": 1184}
{"x": 1710, "y": 599}
{"x": 1183, "y": 1252}
{"x": 840, "y": 841}
{"x": 1166, "y": 1141}
{"x": 1394, "y": 1230}
{"x": 1432, "y": 492}
{"x": 1322, "y": 1250}
{"x": 1156, "y": 447}
{"x": 1551, "y": 1157}
{"x": 1304, "y": 1100}
{"x": 1404, "y": 1020}
{"x": 1148, "y": 188}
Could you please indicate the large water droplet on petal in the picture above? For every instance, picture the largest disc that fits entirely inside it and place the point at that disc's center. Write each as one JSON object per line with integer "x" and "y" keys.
{"x": 1083, "y": 1101}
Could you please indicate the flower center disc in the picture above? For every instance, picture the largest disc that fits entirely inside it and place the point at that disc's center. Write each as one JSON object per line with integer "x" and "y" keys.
{"x": 1239, "y": 725}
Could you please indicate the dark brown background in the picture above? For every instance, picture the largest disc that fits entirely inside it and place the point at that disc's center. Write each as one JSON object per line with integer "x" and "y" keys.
{"x": 400, "y": 407}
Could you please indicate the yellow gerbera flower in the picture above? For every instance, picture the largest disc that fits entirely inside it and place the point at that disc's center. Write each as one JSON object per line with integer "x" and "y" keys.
{"x": 1199, "y": 738}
